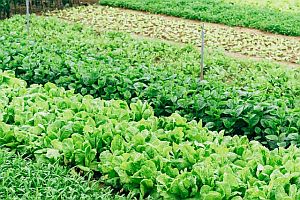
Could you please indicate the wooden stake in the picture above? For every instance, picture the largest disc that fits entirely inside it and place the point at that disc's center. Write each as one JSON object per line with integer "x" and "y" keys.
{"x": 202, "y": 54}
{"x": 27, "y": 16}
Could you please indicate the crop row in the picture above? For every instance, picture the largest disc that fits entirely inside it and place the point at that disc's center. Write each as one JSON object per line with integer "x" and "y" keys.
{"x": 23, "y": 178}
{"x": 167, "y": 157}
{"x": 230, "y": 39}
{"x": 282, "y": 5}
{"x": 245, "y": 98}
{"x": 219, "y": 11}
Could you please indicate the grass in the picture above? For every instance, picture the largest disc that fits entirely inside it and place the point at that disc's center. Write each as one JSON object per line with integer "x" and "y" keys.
{"x": 22, "y": 178}
{"x": 217, "y": 11}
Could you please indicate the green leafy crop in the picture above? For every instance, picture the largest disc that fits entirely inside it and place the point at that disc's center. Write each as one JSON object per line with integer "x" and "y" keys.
{"x": 166, "y": 157}
{"x": 219, "y": 11}
{"x": 259, "y": 100}
{"x": 22, "y": 178}
{"x": 231, "y": 39}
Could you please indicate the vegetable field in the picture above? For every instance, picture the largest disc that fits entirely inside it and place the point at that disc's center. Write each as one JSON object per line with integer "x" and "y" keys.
{"x": 100, "y": 102}
{"x": 162, "y": 157}
{"x": 264, "y": 107}
{"x": 262, "y": 16}
{"x": 232, "y": 40}
{"x": 21, "y": 178}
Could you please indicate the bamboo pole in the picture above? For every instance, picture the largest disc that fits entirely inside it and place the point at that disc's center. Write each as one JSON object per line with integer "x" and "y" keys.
{"x": 27, "y": 16}
{"x": 202, "y": 54}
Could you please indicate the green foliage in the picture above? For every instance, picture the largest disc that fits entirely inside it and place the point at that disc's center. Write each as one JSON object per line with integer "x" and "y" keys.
{"x": 10, "y": 7}
{"x": 21, "y": 178}
{"x": 166, "y": 157}
{"x": 219, "y": 11}
{"x": 231, "y": 39}
{"x": 245, "y": 98}
{"x": 282, "y": 5}
{"x": 4, "y": 8}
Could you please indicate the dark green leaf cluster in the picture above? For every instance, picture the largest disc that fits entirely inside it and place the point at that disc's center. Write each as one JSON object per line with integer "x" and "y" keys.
{"x": 166, "y": 157}
{"x": 243, "y": 98}
{"x": 4, "y": 8}
{"x": 218, "y": 11}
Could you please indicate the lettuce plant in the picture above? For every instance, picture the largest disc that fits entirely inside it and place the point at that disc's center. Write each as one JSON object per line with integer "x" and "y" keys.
{"x": 146, "y": 156}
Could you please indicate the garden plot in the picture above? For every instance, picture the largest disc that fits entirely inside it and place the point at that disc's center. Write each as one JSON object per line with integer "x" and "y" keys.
{"x": 239, "y": 41}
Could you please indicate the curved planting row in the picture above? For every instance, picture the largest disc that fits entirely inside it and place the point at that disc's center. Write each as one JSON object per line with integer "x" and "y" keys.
{"x": 230, "y": 39}
{"x": 220, "y": 11}
{"x": 254, "y": 99}
{"x": 166, "y": 157}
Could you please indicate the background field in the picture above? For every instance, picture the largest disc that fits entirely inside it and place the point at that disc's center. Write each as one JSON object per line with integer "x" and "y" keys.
{"x": 232, "y": 40}
{"x": 282, "y": 5}
{"x": 263, "y": 18}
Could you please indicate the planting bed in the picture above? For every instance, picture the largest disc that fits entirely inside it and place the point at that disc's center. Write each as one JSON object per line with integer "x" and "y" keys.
{"x": 259, "y": 100}
{"x": 23, "y": 178}
{"x": 166, "y": 157}
{"x": 231, "y": 39}
{"x": 263, "y": 17}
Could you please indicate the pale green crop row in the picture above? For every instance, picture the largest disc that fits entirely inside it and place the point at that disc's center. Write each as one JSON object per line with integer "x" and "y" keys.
{"x": 232, "y": 40}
